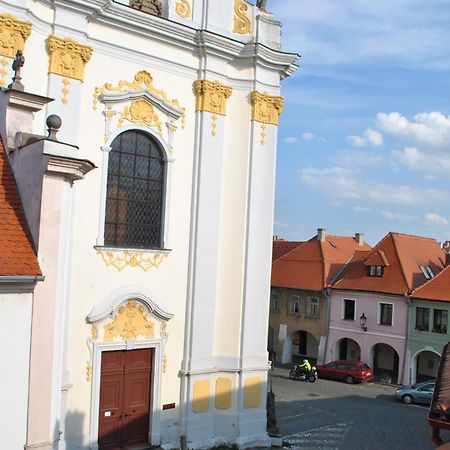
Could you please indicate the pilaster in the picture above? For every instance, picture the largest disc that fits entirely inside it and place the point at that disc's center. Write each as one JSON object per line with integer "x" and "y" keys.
{"x": 197, "y": 380}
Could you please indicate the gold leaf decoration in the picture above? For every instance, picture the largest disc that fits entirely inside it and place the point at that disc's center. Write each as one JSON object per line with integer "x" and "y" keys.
{"x": 3, "y": 71}
{"x": 183, "y": 9}
{"x": 163, "y": 330}
{"x": 212, "y": 96}
{"x": 68, "y": 57}
{"x": 65, "y": 91}
{"x": 130, "y": 323}
{"x": 242, "y": 24}
{"x": 266, "y": 108}
{"x": 121, "y": 259}
{"x": 13, "y": 34}
{"x": 142, "y": 113}
{"x": 142, "y": 80}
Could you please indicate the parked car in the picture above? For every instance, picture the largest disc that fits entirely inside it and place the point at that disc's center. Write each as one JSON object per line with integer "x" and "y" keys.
{"x": 346, "y": 370}
{"x": 417, "y": 393}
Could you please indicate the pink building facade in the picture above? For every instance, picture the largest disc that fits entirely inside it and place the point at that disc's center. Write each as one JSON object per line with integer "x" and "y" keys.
{"x": 382, "y": 343}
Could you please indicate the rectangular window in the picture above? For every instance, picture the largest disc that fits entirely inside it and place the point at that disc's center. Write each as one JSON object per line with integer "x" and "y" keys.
{"x": 386, "y": 313}
{"x": 422, "y": 319}
{"x": 349, "y": 309}
{"x": 440, "y": 318}
{"x": 274, "y": 301}
{"x": 375, "y": 271}
{"x": 294, "y": 304}
{"x": 312, "y": 308}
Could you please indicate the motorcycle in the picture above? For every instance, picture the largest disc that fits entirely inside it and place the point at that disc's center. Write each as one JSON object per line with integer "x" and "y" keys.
{"x": 298, "y": 373}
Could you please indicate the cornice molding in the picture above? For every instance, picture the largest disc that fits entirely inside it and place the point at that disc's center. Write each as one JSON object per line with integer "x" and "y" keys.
{"x": 179, "y": 35}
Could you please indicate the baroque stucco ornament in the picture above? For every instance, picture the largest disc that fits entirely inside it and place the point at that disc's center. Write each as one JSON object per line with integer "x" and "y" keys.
{"x": 68, "y": 57}
{"x": 13, "y": 34}
{"x": 242, "y": 24}
{"x": 266, "y": 108}
{"x": 212, "y": 96}
{"x": 121, "y": 259}
{"x": 130, "y": 323}
{"x": 183, "y": 9}
{"x": 142, "y": 113}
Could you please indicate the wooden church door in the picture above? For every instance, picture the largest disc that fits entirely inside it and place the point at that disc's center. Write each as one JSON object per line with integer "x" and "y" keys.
{"x": 125, "y": 388}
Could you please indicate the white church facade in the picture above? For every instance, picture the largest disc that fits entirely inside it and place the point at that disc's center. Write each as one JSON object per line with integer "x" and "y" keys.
{"x": 151, "y": 211}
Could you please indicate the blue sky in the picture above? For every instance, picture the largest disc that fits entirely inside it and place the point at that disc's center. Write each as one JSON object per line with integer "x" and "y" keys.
{"x": 364, "y": 140}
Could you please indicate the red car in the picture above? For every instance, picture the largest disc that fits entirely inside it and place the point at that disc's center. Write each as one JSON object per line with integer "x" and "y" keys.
{"x": 349, "y": 371}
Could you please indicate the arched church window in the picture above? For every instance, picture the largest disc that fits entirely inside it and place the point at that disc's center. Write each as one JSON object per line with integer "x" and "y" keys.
{"x": 135, "y": 192}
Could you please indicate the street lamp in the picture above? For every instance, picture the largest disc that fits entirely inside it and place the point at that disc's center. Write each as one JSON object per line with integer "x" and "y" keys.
{"x": 362, "y": 322}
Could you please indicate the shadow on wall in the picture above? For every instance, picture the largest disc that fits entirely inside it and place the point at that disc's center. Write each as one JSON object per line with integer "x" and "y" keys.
{"x": 130, "y": 429}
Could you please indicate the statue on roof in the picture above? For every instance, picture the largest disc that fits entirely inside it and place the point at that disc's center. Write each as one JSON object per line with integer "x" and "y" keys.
{"x": 261, "y": 4}
{"x": 149, "y": 6}
{"x": 17, "y": 65}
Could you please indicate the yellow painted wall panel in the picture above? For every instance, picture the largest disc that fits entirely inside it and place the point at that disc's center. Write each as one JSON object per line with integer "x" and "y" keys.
{"x": 201, "y": 395}
{"x": 223, "y": 393}
{"x": 252, "y": 392}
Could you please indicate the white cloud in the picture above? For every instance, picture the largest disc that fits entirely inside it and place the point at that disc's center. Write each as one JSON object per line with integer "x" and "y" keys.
{"x": 361, "y": 208}
{"x": 358, "y": 159}
{"x": 432, "y": 164}
{"x": 291, "y": 140}
{"x": 435, "y": 219}
{"x": 369, "y": 137}
{"x": 395, "y": 216}
{"x": 344, "y": 183}
{"x": 427, "y": 129}
{"x": 402, "y": 31}
{"x": 308, "y": 136}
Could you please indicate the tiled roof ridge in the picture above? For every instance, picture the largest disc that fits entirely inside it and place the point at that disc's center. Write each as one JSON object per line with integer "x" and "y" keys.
{"x": 22, "y": 216}
{"x": 290, "y": 251}
{"x": 396, "y": 233}
{"x": 7, "y": 176}
{"x": 343, "y": 269}
{"x": 400, "y": 259}
{"x": 431, "y": 280}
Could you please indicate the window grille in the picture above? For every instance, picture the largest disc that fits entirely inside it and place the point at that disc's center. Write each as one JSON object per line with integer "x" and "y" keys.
{"x": 135, "y": 192}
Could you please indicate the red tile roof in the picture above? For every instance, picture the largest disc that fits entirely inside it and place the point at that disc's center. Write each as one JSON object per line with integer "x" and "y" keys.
{"x": 17, "y": 256}
{"x": 405, "y": 254}
{"x": 438, "y": 288}
{"x": 281, "y": 247}
{"x": 314, "y": 264}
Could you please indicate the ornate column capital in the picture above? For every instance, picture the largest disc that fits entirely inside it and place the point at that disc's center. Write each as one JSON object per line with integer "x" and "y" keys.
{"x": 13, "y": 34}
{"x": 68, "y": 57}
{"x": 212, "y": 96}
{"x": 266, "y": 108}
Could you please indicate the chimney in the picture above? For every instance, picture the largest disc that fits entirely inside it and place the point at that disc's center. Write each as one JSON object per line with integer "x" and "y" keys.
{"x": 321, "y": 233}
{"x": 359, "y": 238}
{"x": 446, "y": 247}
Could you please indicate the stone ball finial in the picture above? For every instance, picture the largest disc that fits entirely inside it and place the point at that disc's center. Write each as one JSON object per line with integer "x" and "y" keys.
{"x": 54, "y": 123}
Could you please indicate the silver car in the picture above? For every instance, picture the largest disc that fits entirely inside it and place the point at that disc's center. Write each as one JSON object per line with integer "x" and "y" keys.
{"x": 417, "y": 393}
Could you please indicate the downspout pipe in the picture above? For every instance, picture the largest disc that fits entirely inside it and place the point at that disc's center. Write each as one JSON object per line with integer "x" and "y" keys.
{"x": 327, "y": 294}
{"x": 408, "y": 308}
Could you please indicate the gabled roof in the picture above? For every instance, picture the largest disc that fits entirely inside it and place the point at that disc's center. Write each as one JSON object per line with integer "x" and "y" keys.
{"x": 17, "y": 256}
{"x": 403, "y": 257}
{"x": 280, "y": 247}
{"x": 438, "y": 288}
{"x": 377, "y": 259}
{"x": 314, "y": 264}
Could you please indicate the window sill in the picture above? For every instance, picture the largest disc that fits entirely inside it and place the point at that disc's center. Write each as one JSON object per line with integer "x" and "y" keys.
{"x": 143, "y": 258}
{"x": 294, "y": 314}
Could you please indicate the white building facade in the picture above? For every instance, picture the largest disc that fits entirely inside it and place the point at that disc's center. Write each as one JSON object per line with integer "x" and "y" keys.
{"x": 152, "y": 216}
